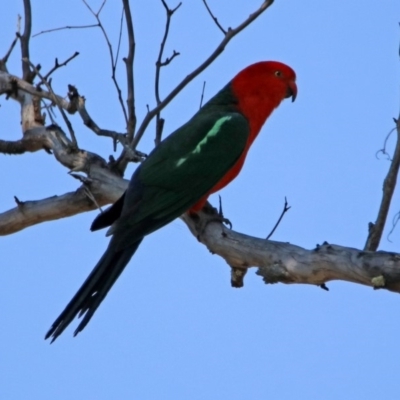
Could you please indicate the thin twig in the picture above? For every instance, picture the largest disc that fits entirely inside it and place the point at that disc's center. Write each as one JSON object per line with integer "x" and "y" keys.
{"x": 57, "y": 65}
{"x": 78, "y": 102}
{"x": 65, "y": 27}
{"x": 4, "y": 60}
{"x": 111, "y": 52}
{"x": 202, "y": 94}
{"x": 24, "y": 39}
{"x": 389, "y": 184}
{"x": 159, "y": 65}
{"x": 130, "y": 101}
{"x": 231, "y": 33}
{"x": 286, "y": 208}
{"x": 54, "y": 98}
{"x": 119, "y": 37}
{"x": 214, "y": 18}
{"x": 383, "y": 149}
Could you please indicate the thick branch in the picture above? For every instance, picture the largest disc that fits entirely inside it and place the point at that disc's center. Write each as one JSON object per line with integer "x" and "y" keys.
{"x": 12, "y": 147}
{"x": 287, "y": 263}
{"x": 10, "y": 85}
{"x": 54, "y": 98}
{"x": 31, "y": 213}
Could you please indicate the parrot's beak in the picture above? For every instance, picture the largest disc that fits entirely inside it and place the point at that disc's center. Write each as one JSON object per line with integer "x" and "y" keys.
{"x": 291, "y": 90}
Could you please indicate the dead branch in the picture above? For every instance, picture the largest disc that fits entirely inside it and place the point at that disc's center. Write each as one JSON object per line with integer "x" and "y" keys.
{"x": 389, "y": 184}
{"x": 4, "y": 60}
{"x": 30, "y": 213}
{"x": 286, "y": 208}
{"x": 287, "y": 263}
{"x": 214, "y": 18}
{"x": 202, "y": 94}
{"x": 276, "y": 261}
{"x": 54, "y": 98}
{"x": 65, "y": 27}
{"x": 112, "y": 58}
{"x": 159, "y": 64}
{"x": 12, "y": 147}
{"x": 24, "y": 40}
{"x": 11, "y": 85}
{"x": 57, "y": 65}
{"x": 129, "y": 60}
{"x": 78, "y": 103}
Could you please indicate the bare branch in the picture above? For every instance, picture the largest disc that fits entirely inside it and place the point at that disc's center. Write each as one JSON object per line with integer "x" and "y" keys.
{"x": 121, "y": 22}
{"x": 159, "y": 64}
{"x": 287, "y": 263}
{"x": 12, "y": 147}
{"x": 10, "y": 85}
{"x": 65, "y": 27}
{"x": 214, "y": 18}
{"x": 24, "y": 39}
{"x": 389, "y": 184}
{"x": 231, "y": 33}
{"x": 54, "y": 98}
{"x": 286, "y": 208}
{"x": 202, "y": 94}
{"x": 111, "y": 52}
{"x": 30, "y": 213}
{"x": 78, "y": 102}
{"x": 4, "y": 60}
{"x": 130, "y": 101}
{"x": 58, "y": 65}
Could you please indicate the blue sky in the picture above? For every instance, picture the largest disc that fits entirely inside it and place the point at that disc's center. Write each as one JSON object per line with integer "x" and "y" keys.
{"x": 172, "y": 327}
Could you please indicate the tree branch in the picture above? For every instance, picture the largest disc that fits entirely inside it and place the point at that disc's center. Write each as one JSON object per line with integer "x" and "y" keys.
{"x": 286, "y": 208}
{"x": 130, "y": 101}
{"x": 54, "y": 98}
{"x": 12, "y": 147}
{"x": 276, "y": 261}
{"x": 66, "y": 27}
{"x": 159, "y": 64}
{"x": 4, "y": 60}
{"x": 29, "y": 213}
{"x": 111, "y": 51}
{"x": 389, "y": 184}
{"x": 10, "y": 85}
{"x": 214, "y": 18}
{"x": 287, "y": 263}
{"x": 24, "y": 39}
{"x": 57, "y": 65}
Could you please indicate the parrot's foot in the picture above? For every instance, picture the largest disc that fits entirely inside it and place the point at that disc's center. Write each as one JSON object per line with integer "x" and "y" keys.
{"x": 207, "y": 215}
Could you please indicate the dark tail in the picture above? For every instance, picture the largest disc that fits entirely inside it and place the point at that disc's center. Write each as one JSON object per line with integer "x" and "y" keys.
{"x": 93, "y": 290}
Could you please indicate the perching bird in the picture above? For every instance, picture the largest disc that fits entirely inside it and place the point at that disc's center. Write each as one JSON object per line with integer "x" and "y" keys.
{"x": 198, "y": 159}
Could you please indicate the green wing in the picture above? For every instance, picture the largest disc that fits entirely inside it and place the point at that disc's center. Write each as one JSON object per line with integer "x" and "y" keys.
{"x": 179, "y": 172}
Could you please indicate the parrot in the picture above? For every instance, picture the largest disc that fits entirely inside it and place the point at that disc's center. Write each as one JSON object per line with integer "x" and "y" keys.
{"x": 198, "y": 159}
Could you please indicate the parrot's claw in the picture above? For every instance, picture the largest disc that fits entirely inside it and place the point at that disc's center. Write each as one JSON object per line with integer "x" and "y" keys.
{"x": 207, "y": 215}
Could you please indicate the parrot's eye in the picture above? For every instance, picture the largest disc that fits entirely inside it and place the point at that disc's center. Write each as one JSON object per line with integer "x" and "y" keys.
{"x": 278, "y": 73}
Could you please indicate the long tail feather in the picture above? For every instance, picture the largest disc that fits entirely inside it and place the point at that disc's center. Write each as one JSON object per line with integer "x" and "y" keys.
{"x": 94, "y": 289}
